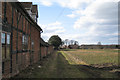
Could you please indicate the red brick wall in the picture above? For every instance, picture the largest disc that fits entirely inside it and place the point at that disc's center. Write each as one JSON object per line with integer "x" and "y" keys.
{"x": 50, "y": 49}
{"x": 23, "y": 57}
{"x": 35, "y": 35}
{"x": 42, "y": 51}
{"x": 46, "y": 50}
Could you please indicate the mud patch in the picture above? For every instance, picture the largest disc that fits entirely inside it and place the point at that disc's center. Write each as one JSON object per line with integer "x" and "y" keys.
{"x": 113, "y": 68}
{"x": 105, "y": 65}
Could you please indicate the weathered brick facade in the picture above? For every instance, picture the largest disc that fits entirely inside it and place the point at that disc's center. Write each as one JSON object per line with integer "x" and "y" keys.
{"x": 46, "y": 49}
{"x": 23, "y": 52}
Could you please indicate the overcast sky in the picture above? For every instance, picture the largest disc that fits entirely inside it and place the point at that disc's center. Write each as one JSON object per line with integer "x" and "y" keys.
{"x": 87, "y": 21}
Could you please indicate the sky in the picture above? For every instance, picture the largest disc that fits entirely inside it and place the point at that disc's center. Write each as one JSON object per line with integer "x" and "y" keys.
{"x": 86, "y": 21}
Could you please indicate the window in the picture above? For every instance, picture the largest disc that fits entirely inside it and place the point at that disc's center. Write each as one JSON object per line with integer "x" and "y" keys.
{"x": 5, "y": 45}
{"x": 25, "y": 42}
{"x": 8, "y": 39}
{"x": 32, "y": 43}
{"x": 3, "y": 38}
{"x": 23, "y": 39}
{"x": 8, "y": 46}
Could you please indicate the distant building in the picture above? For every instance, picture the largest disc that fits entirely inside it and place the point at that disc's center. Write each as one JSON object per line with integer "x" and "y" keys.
{"x": 64, "y": 47}
{"x": 100, "y": 46}
{"x": 73, "y": 46}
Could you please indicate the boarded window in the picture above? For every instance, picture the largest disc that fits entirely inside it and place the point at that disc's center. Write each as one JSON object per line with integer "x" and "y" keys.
{"x": 25, "y": 42}
{"x": 3, "y": 52}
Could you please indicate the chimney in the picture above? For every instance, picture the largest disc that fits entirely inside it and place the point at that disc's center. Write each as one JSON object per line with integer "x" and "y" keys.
{"x": 28, "y": 7}
{"x": 31, "y": 9}
{"x": 34, "y": 12}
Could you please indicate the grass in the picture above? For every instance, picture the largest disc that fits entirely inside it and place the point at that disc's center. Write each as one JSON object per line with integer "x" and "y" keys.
{"x": 91, "y": 56}
{"x": 60, "y": 65}
{"x": 69, "y": 49}
{"x": 56, "y": 66}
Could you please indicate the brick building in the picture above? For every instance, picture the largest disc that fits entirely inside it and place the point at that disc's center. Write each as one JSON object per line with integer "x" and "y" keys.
{"x": 73, "y": 46}
{"x": 20, "y": 37}
{"x": 46, "y": 49}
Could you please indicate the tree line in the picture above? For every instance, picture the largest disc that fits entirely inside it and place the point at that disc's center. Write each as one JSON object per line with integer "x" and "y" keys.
{"x": 56, "y": 41}
{"x": 70, "y": 42}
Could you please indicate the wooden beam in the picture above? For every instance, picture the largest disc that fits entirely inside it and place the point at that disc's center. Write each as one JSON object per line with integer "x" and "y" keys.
{"x": 11, "y": 40}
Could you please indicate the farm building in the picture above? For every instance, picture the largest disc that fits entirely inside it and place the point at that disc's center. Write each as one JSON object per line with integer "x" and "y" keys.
{"x": 64, "y": 47}
{"x": 20, "y": 37}
{"x": 73, "y": 46}
{"x": 99, "y": 46}
{"x": 46, "y": 49}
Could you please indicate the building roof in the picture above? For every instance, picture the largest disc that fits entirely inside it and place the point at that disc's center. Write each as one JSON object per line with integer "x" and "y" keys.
{"x": 43, "y": 43}
{"x": 27, "y": 4}
{"x": 20, "y": 8}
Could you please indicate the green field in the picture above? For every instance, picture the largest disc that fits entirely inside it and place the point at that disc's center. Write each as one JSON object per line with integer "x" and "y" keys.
{"x": 91, "y": 56}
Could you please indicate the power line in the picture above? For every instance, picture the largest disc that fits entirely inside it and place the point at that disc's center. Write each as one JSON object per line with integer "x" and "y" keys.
{"x": 60, "y": 14}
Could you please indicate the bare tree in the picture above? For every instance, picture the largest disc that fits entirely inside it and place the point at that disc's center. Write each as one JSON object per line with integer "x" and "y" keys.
{"x": 66, "y": 41}
{"x": 71, "y": 42}
{"x": 99, "y": 43}
{"x": 76, "y": 43}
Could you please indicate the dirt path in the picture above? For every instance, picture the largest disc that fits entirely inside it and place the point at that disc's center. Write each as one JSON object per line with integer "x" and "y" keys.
{"x": 56, "y": 66}
{"x": 65, "y": 70}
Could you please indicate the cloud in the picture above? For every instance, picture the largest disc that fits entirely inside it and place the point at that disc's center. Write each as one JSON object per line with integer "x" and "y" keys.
{"x": 46, "y": 3}
{"x": 96, "y": 20}
{"x": 72, "y": 4}
{"x": 98, "y": 13}
{"x": 71, "y": 15}
{"x": 52, "y": 29}
{"x": 76, "y": 4}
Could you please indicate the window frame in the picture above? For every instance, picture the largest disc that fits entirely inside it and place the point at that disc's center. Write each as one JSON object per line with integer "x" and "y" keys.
{"x": 2, "y": 38}
{"x": 7, "y": 39}
{"x": 6, "y": 46}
